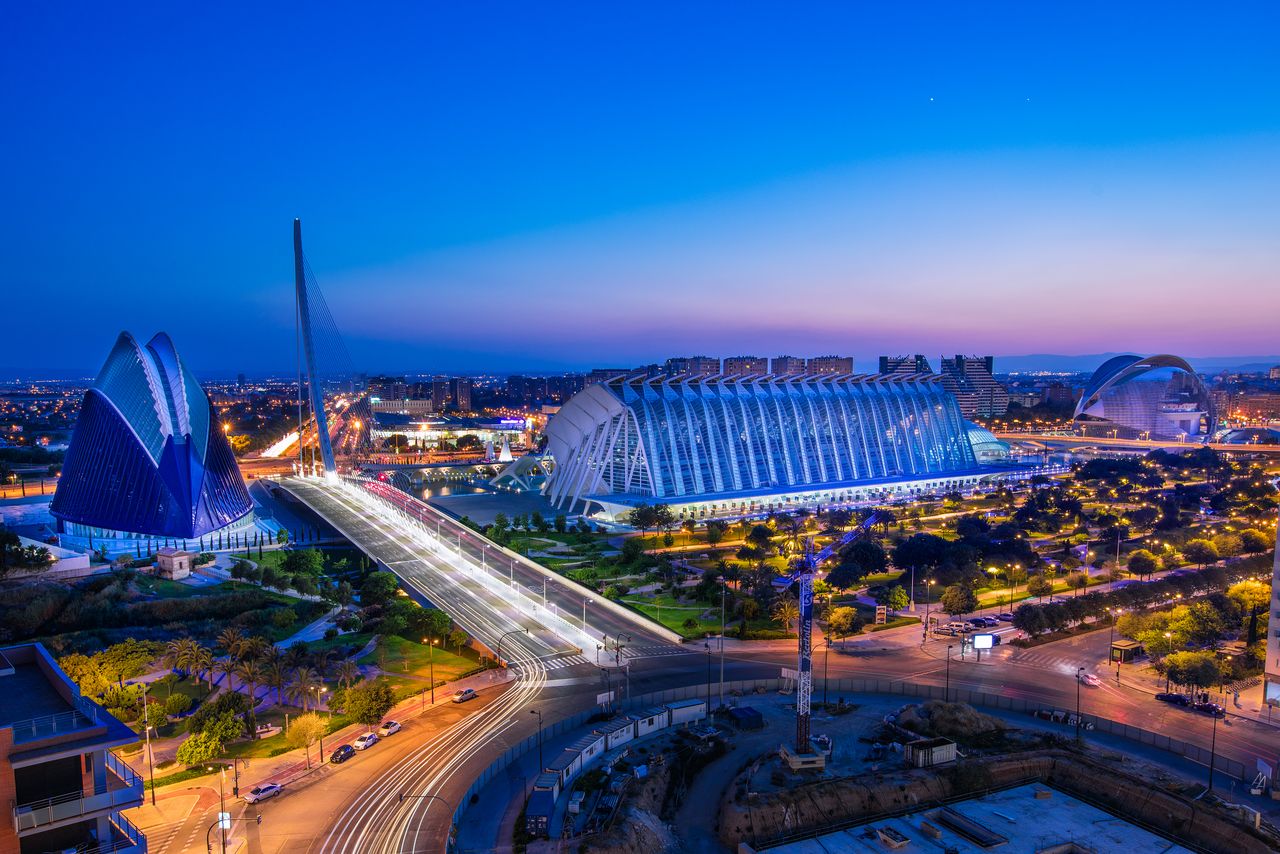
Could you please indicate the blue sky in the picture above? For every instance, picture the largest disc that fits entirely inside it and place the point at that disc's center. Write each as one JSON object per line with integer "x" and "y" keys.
{"x": 558, "y": 186}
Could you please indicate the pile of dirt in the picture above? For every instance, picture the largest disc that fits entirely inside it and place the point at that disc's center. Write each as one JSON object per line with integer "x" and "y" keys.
{"x": 952, "y": 720}
{"x": 638, "y": 829}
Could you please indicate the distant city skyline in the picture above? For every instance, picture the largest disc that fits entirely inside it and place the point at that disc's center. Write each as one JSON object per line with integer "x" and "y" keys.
{"x": 567, "y": 190}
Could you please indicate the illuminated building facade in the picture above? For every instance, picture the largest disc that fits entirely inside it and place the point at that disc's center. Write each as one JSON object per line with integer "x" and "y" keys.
{"x": 1153, "y": 397}
{"x": 147, "y": 458}
{"x": 723, "y": 446}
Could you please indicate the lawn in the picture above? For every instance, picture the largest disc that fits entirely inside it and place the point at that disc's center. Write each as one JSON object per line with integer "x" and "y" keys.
{"x": 672, "y": 614}
{"x": 396, "y": 656}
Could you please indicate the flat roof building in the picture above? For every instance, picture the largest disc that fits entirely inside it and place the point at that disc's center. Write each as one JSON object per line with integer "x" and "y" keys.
{"x": 57, "y": 773}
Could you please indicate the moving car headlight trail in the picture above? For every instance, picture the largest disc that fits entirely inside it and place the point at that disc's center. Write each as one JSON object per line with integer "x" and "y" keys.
{"x": 378, "y": 821}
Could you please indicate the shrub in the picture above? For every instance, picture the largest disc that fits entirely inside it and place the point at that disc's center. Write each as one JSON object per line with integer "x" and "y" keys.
{"x": 177, "y": 704}
{"x": 284, "y": 618}
{"x": 331, "y": 633}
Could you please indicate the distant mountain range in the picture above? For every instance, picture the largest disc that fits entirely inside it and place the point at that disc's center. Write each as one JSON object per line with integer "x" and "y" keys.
{"x": 1082, "y": 363}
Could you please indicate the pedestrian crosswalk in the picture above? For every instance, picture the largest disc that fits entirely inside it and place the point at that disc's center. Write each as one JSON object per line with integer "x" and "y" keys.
{"x": 607, "y": 658}
{"x": 1058, "y": 662}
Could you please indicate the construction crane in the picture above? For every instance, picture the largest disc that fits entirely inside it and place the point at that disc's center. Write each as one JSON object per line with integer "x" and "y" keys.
{"x": 802, "y": 575}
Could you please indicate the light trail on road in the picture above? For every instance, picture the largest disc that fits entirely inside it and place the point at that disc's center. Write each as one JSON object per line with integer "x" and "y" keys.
{"x": 378, "y": 821}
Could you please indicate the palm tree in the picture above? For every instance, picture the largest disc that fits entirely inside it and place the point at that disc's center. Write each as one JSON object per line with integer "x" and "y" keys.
{"x": 231, "y": 639}
{"x": 347, "y": 673}
{"x": 785, "y": 611}
{"x": 304, "y": 684}
{"x": 276, "y": 676}
{"x": 228, "y": 666}
{"x": 295, "y": 656}
{"x": 251, "y": 673}
{"x": 202, "y": 662}
{"x": 252, "y": 648}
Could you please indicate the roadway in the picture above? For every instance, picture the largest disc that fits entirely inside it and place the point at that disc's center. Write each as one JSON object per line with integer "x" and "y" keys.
{"x": 488, "y": 591}
{"x": 356, "y": 807}
{"x": 1136, "y": 444}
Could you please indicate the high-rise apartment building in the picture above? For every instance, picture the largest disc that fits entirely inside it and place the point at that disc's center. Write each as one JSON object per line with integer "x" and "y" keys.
{"x": 970, "y": 379}
{"x": 460, "y": 391}
{"x": 58, "y": 776}
{"x": 736, "y": 366}
{"x": 692, "y": 366}
{"x": 786, "y": 366}
{"x": 830, "y": 365}
{"x": 388, "y": 388}
{"x": 904, "y": 365}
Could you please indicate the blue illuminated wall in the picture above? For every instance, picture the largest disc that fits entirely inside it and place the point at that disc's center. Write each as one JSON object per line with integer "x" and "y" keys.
{"x": 146, "y": 457}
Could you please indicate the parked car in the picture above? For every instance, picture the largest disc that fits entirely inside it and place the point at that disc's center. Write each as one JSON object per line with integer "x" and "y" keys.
{"x": 388, "y": 728}
{"x": 1211, "y": 709}
{"x": 1090, "y": 680}
{"x": 990, "y": 622}
{"x": 464, "y": 695}
{"x": 1175, "y": 699}
{"x": 365, "y": 741}
{"x": 1005, "y": 617}
{"x": 261, "y": 793}
{"x": 342, "y": 754}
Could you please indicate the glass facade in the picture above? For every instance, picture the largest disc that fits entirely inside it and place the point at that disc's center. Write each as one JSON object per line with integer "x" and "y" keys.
{"x": 676, "y": 439}
{"x": 144, "y": 458}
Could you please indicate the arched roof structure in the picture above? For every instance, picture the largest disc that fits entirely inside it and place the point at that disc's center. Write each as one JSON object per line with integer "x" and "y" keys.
{"x": 1118, "y": 371}
{"x": 146, "y": 456}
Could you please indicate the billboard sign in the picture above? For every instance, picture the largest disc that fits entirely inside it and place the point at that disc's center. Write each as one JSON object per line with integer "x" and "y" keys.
{"x": 984, "y": 641}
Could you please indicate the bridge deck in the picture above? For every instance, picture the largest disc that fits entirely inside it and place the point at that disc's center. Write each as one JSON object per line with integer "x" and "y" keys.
{"x": 483, "y": 612}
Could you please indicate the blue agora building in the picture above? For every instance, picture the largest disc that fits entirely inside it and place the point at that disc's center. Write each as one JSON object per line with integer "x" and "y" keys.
{"x": 147, "y": 459}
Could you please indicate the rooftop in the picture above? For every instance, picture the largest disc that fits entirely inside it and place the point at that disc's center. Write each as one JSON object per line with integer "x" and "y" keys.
{"x": 28, "y": 693}
{"x": 1030, "y": 824}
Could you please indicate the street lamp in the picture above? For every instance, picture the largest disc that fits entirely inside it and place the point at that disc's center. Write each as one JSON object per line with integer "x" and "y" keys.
{"x": 707, "y": 647}
{"x": 924, "y": 634}
{"x": 1168, "y": 637}
{"x": 585, "y": 603}
{"x": 948, "y": 690}
{"x": 541, "y": 767}
{"x": 498, "y": 651}
{"x": 1079, "y": 671}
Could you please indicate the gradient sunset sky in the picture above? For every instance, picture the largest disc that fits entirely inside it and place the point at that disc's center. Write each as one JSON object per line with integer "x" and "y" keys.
{"x": 561, "y": 186}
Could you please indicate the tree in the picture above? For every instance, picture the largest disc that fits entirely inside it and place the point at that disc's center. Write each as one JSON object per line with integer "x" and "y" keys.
{"x": 761, "y": 539}
{"x": 198, "y": 749}
{"x": 867, "y": 555}
{"x": 844, "y": 621}
{"x": 715, "y": 533}
{"x": 1143, "y": 563}
{"x": 1039, "y": 586}
{"x": 632, "y": 550}
{"x": 1195, "y": 668}
{"x": 958, "y": 599}
{"x": 303, "y": 686}
{"x": 1254, "y": 541}
{"x": 1201, "y": 552}
{"x": 304, "y": 731}
{"x": 177, "y": 704}
{"x": 378, "y": 588}
{"x": 251, "y": 674}
{"x": 894, "y": 598}
{"x": 642, "y": 516}
{"x": 369, "y": 701}
{"x": 1252, "y": 598}
{"x": 231, "y": 639}
{"x": 1078, "y": 581}
{"x": 561, "y": 523}
{"x": 303, "y": 561}
{"x": 459, "y": 639}
{"x": 1030, "y": 619}
{"x": 786, "y": 611}
{"x": 347, "y": 673}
